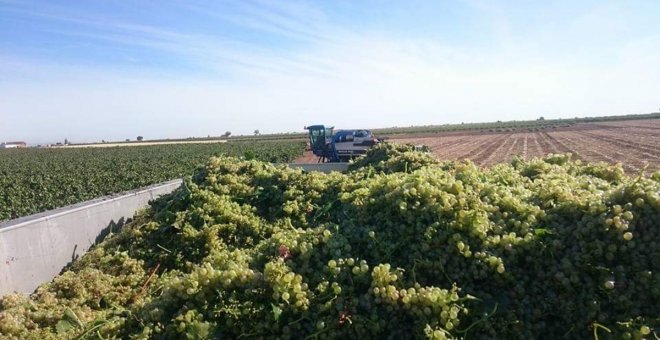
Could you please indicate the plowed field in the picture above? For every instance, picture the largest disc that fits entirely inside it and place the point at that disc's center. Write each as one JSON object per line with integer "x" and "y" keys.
{"x": 635, "y": 144}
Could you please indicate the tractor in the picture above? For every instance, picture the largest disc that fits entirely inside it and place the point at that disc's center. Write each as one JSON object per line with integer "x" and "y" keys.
{"x": 339, "y": 146}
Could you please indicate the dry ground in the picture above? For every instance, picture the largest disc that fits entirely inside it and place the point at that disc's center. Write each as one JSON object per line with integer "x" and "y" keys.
{"x": 635, "y": 144}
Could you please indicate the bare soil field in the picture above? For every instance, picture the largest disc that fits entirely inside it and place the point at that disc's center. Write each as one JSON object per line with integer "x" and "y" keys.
{"x": 635, "y": 144}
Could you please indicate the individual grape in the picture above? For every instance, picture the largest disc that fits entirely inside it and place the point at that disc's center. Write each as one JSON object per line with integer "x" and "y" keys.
{"x": 627, "y": 236}
{"x": 645, "y": 330}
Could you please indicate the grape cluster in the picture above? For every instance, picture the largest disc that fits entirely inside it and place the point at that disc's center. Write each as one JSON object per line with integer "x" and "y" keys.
{"x": 402, "y": 246}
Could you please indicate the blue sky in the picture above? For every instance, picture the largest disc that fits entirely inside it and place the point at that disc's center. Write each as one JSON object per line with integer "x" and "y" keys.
{"x": 92, "y": 70}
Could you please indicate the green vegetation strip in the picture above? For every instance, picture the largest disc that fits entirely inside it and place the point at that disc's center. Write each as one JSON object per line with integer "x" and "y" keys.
{"x": 509, "y": 126}
{"x": 400, "y": 247}
{"x": 36, "y": 180}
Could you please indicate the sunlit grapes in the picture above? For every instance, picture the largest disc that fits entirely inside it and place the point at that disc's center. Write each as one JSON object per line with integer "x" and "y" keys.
{"x": 401, "y": 246}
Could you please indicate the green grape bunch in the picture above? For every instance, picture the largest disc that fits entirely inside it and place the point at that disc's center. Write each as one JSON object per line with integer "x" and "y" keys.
{"x": 402, "y": 246}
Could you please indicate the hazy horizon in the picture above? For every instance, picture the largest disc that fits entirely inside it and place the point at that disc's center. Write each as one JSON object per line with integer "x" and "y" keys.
{"x": 249, "y": 134}
{"x": 174, "y": 69}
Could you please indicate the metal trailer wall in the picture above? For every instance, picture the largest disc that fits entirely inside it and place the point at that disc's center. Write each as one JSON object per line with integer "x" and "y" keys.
{"x": 35, "y": 249}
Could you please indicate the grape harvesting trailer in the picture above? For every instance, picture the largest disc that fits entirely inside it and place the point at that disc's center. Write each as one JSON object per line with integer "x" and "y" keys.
{"x": 339, "y": 146}
{"x": 35, "y": 248}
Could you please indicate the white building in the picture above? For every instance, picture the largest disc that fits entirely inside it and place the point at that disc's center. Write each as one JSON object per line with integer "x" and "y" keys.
{"x": 12, "y": 145}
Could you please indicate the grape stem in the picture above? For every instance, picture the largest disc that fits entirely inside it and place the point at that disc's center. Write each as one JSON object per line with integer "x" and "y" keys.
{"x": 296, "y": 321}
{"x": 415, "y": 261}
{"x": 95, "y": 328}
{"x": 315, "y": 335}
{"x": 151, "y": 276}
{"x": 596, "y": 326}
{"x": 163, "y": 248}
{"x": 483, "y": 319}
{"x": 247, "y": 334}
{"x": 568, "y": 332}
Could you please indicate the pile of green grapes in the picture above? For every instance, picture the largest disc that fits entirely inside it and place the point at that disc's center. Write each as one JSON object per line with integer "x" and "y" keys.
{"x": 401, "y": 246}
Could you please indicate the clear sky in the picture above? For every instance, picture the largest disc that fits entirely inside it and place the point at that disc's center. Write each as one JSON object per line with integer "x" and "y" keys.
{"x": 92, "y": 70}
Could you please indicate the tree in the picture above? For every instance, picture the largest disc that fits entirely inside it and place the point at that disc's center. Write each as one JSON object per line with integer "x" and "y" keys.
{"x": 140, "y": 138}
{"x": 541, "y": 118}
{"x": 128, "y": 140}
{"x": 66, "y": 141}
{"x": 227, "y": 134}
{"x": 256, "y": 132}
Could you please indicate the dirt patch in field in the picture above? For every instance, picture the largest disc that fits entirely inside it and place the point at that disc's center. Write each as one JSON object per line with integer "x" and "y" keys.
{"x": 634, "y": 144}
{"x": 307, "y": 158}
